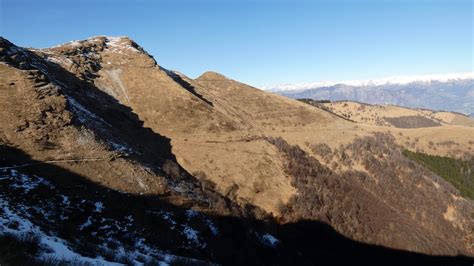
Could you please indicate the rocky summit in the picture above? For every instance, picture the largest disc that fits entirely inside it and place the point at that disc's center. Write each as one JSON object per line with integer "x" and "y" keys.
{"x": 109, "y": 158}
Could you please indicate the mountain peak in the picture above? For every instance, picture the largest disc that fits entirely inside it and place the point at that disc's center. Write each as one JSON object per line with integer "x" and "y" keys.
{"x": 7, "y": 47}
{"x": 111, "y": 43}
{"x": 212, "y": 76}
{"x": 113, "y": 49}
{"x": 14, "y": 55}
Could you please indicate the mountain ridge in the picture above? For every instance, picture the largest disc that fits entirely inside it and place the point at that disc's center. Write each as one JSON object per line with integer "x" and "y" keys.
{"x": 215, "y": 145}
{"x": 453, "y": 95}
{"x": 373, "y": 82}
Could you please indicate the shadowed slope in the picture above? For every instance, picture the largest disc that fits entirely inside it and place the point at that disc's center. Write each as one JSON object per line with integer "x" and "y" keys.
{"x": 238, "y": 240}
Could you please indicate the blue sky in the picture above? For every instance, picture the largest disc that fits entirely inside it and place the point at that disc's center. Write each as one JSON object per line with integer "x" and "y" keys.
{"x": 264, "y": 42}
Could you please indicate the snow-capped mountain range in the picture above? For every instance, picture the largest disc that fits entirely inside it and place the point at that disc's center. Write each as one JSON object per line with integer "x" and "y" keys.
{"x": 449, "y": 92}
{"x": 400, "y": 80}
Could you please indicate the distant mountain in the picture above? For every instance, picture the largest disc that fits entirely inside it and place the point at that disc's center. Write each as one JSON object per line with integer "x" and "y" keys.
{"x": 450, "y": 92}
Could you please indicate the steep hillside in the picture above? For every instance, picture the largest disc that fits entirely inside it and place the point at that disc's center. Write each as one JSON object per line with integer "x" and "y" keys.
{"x": 102, "y": 116}
{"x": 68, "y": 152}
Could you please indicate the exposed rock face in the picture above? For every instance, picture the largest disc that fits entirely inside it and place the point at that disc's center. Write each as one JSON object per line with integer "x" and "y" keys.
{"x": 104, "y": 110}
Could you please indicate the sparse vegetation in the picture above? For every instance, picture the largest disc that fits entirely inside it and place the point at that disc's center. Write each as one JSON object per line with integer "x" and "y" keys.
{"x": 17, "y": 250}
{"x": 415, "y": 121}
{"x": 447, "y": 143}
{"x": 322, "y": 193}
{"x": 458, "y": 172}
{"x": 323, "y": 150}
{"x": 311, "y": 101}
{"x": 321, "y": 105}
{"x": 336, "y": 194}
{"x": 172, "y": 169}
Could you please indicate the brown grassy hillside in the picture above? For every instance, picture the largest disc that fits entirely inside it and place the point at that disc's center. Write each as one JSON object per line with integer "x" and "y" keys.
{"x": 128, "y": 124}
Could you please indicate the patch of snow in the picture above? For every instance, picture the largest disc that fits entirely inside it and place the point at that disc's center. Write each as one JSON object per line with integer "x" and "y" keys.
{"x": 24, "y": 182}
{"x": 168, "y": 217}
{"x": 143, "y": 250}
{"x": 71, "y": 43}
{"x": 119, "y": 44}
{"x": 62, "y": 61}
{"x": 104, "y": 227}
{"x": 52, "y": 247}
{"x": 18, "y": 220}
{"x": 113, "y": 40}
{"x": 129, "y": 218}
{"x": 83, "y": 114}
{"x": 99, "y": 207}
{"x": 191, "y": 234}
{"x": 40, "y": 66}
{"x": 60, "y": 250}
{"x": 14, "y": 50}
{"x": 191, "y": 214}
{"x": 65, "y": 200}
{"x": 86, "y": 224}
{"x": 269, "y": 240}
{"x": 120, "y": 147}
{"x": 9, "y": 217}
{"x": 212, "y": 227}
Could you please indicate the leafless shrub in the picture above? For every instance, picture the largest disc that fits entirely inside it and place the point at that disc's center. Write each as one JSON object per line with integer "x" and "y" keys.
{"x": 322, "y": 149}
{"x": 411, "y": 122}
{"x": 172, "y": 169}
{"x": 200, "y": 175}
{"x": 447, "y": 143}
{"x": 337, "y": 197}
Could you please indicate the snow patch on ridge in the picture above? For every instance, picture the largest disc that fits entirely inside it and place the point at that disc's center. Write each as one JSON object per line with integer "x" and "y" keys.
{"x": 119, "y": 44}
{"x": 83, "y": 115}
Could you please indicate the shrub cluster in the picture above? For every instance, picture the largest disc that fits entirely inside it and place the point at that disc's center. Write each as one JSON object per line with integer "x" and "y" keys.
{"x": 368, "y": 204}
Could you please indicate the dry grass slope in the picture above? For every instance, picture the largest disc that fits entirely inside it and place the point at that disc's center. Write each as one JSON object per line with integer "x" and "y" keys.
{"x": 160, "y": 133}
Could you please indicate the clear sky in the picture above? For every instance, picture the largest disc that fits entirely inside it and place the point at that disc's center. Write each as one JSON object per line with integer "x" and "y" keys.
{"x": 264, "y": 42}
